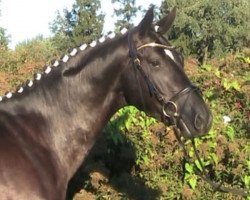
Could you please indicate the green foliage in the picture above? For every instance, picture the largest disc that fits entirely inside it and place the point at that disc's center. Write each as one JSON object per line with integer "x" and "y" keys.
{"x": 8, "y": 61}
{"x": 224, "y": 90}
{"x": 190, "y": 176}
{"x": 36, "y": 49}
{"x": 128, "y": 119}
{"x": 228, "y": 85}
{"x": 82, "y": 24}
{"x": 209, "y": 28}
{"x": 32, "y": 52}
{"x": 245, "y": 59}
{"x": 132, "y": 120}
{"x": 230, "y": 132}
{"x": 4, "y": 39}
{"x": 224, "y": 151}
{"x": 126, "y": 11}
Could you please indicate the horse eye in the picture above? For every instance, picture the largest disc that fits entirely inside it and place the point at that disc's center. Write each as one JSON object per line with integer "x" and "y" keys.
{"x": 155, "y": 64}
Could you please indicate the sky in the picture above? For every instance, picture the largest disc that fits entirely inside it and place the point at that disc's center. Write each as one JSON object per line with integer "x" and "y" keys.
{"x": 25, "y": 19}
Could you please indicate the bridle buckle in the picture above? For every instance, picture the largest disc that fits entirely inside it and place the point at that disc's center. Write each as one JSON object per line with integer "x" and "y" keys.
{"x": 137, "y": 62}
{"x": 170, "y": 109}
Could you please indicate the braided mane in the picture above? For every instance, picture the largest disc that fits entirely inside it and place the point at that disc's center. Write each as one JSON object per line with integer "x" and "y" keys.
{"x": 57, "y": 63}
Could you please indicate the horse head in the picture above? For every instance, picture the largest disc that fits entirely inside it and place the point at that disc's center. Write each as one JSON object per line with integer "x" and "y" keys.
{"x": 157, "y": 83}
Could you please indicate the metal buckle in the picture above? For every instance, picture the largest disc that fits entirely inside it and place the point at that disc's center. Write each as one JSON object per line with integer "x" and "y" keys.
{"x": 137, "y": 62}
{"x": 170, "y": 109}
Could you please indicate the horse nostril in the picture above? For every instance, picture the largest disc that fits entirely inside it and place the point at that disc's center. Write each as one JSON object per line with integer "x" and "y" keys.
{"x": 199, "y": 122}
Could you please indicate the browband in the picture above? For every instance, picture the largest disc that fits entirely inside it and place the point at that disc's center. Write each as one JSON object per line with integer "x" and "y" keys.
{"x": 153, "y": 44}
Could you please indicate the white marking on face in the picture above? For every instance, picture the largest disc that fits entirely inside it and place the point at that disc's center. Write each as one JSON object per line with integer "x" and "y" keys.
{"x": 48, "y": 70}
{"x": 1, "y": 98}
{"x": 169, "y": 53}
{"x": 20, "y": 90}
{"x": 156, "y": 28}
{"x": 73, "y": 52}
{"x": 30, "y": 83}
{"x": 123, "y": 31}
{"x": 9, "y": 95}
{"x": 102, "y": 39}
{"x": 93, "y": 44}
{"x": 111, "y": 35}
{"x": 65, "y": 58}
{"x": 83, "y": 47}
{"x": 56, "y": 63}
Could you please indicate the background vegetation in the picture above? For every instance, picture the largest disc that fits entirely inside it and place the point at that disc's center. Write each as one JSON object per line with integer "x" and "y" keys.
{"x": 210, "y": 28}
{"x": 137, "y": 157}
{"x": 82, "y": 24}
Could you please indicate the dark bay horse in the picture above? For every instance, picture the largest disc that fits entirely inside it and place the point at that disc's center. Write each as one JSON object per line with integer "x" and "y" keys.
{"x": 48, "y": 126}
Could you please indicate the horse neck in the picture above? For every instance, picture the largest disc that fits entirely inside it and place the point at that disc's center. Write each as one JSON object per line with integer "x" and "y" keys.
{"x": 94, "y": 96}
{"x": 77, "y": 107}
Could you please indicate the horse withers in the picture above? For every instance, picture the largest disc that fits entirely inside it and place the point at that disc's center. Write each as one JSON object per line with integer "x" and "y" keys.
{"x": 48, "y": 126}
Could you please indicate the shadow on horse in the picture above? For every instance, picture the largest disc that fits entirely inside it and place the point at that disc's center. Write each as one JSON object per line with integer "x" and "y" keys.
{"x": 49, "y": 125}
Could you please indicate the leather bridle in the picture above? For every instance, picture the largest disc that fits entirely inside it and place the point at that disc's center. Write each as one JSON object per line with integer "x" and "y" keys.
{"x": 171, "y": 113}
{"x": 170, "y": 109}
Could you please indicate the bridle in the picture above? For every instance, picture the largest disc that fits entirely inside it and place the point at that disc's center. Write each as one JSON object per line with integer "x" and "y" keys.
{"x": 170, "y": 110}
{"x": 171, "y": 113}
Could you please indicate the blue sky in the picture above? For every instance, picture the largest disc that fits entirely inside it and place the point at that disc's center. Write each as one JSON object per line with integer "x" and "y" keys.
{"x": 26, "y": 19}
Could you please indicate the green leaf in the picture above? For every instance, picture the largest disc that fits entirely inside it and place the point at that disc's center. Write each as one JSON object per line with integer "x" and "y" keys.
{"x": 128, "y": 124}
{"x": 212, "y": 144}
{"x": 191, "y": 153}
{"x": 193, "y": 181}
{"x": 248, "y": 164}
{"x": 247, "y": 181}
{"x": 207, "y": 67}
{"x": 145, "y": 159}
{"x": 214, "y": 158}
{"x": 247, "y": 60}
{"x": 230, "y": 132}
{"x": 235, "y": 85}
{"x": 227, "y": 84}
{"x": 217, "y": 73}
{"x": 189, "y": 168}
{"x": 198, "y": 165}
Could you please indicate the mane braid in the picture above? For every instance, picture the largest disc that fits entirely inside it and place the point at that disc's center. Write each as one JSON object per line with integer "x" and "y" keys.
{"x": 48, "y": 68}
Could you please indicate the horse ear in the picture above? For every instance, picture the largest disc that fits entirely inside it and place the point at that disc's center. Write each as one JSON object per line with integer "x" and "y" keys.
{"x": 146, "y": 23}
{"x": 166, "y": 22}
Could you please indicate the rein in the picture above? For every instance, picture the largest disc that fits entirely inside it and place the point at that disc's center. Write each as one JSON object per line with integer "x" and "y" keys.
{"x": 217, "y": 187}
{"x": 171, "y": 115}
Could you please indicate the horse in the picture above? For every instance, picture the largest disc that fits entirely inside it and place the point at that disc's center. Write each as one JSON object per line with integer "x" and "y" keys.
{"x": 49, "y": 125}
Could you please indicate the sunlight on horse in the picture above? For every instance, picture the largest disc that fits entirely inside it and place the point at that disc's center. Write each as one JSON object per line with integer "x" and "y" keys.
{"x": 49, "y": 125}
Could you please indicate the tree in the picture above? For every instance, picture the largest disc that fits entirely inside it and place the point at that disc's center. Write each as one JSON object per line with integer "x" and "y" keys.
{"x": 209, "y": 28}
{"x": 83, "y": 23}
{"x": 37, "y": 49}
{"x": 126, "y": 11}
{"x": 4, "y": 38}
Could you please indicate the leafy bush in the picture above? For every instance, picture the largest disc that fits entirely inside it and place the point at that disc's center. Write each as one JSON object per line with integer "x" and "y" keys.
{"x": 209, "y": 28}
{"x": 28, "y": 57}
{"x": 226, "y": 89}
